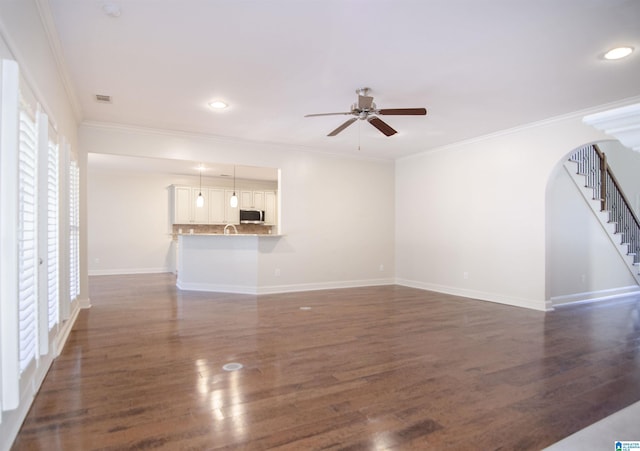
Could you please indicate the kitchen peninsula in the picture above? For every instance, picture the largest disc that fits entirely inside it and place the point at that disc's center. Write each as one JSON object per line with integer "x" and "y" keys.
{"x": 225, "y": 263}
{"x": 218, "y": 246}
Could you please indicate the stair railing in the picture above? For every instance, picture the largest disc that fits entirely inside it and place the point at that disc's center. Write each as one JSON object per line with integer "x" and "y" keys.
{"x": 592, "y": 163}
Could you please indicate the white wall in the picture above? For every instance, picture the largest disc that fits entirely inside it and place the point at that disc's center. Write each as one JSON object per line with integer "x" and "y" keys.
{"x": 337, "y": 212}
{"x": 128, "y": 217}
{"x": 478, "y": 209}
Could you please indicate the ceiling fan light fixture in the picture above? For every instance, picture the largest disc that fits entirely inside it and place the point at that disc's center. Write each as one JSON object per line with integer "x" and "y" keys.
{"x": 618, "y": 53}
{"x": 366, "y": 109}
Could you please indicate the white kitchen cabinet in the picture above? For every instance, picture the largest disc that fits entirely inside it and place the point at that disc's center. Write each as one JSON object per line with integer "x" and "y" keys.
{"x": 246, "y": 200}
{"x": 200, "y": 214}
{"x": 252, "y": 200}
{"x": 217, "y": 204}
{"x": 258, "y": 200}
{"x": 231, "y": 215}
{"x": 270, "y": 207}
{"x": 217, "y": 207}
{"x": 185, "y": 210}
{"x": 182, "y": 207}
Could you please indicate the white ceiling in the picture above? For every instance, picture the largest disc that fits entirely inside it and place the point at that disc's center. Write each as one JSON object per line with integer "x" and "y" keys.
{"x": 477, "y": 66}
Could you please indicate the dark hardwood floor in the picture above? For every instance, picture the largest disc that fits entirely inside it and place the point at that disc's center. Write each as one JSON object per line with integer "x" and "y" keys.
{"x": 364, "y": 369}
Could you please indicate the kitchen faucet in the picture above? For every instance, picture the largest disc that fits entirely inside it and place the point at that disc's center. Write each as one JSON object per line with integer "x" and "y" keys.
{"x": 226, "y": 231}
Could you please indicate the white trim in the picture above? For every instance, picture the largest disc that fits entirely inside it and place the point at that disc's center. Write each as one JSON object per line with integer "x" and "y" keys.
{"x": 64, "y": 329}
{"x": 276, "y": 289}
{"x": 125, "y": 271}
{"x": 531, "y": 125}
{"x": 477, "y": 295}
{"x": 595, "y": 296}
{"x": 46, "y": 17}
{"x": 9, "y": 371}
{"x": 26, "y": 73}
{"x": 622, "y": 123}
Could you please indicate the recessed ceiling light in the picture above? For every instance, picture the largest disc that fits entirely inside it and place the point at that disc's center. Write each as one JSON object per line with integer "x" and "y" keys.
{"x": 218, "y": 105}
{"x": 618, "y": 52}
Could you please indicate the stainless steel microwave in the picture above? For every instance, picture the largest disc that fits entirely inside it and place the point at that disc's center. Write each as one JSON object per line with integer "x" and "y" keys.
{"x": 251, "y": 216}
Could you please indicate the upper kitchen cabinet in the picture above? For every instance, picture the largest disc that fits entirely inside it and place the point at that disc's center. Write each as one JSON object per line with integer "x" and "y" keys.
{"x": 252, "y": 200}
{"x": 215, "y": 210}
{"x": 270, "y": 207}
{"x": 185, "y": 210}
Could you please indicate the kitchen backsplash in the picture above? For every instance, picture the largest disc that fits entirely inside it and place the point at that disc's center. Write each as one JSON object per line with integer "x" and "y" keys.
{"x": 185, "y": 229}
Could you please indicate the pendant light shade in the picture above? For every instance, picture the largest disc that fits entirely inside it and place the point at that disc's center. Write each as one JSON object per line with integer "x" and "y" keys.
{"x": 200, "y": 198}
{"x": 234, "y": 199}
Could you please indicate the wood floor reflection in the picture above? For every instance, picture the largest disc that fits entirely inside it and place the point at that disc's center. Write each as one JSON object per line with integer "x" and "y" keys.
{"x": 363, "y": 369}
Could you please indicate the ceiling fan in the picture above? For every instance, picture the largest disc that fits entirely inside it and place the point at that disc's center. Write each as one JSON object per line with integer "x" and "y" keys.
{"x": 366, "y": 109}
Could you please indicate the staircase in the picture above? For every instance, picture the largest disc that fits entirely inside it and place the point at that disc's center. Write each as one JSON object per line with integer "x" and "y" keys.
{"x": 589, "y": 170}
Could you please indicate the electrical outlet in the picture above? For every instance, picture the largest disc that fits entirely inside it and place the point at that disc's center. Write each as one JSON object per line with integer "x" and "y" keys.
{"x": 381, "y": 267}
{"x": 277, "y": 272}
{"x": 465, "y": 275}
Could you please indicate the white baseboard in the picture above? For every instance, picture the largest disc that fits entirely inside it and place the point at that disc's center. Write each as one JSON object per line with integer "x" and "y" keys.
{"x": 125, "y": 271}
{"x": 595, "y": 296}
{"x": 478, "y": 295}
{"x": 275, "y": 289}
{"x": 65, "y": 330}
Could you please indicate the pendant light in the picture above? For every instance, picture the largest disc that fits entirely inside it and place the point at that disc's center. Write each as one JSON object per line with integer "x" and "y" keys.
{"x": 200, "y": 198}
{"x": 234, "y": 199}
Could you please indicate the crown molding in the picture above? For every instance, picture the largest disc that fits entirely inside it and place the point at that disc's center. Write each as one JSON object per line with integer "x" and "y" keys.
{"x": 510, "y": 131}
{"x": 622, "y": 123}
{"x": 46, "y": 17}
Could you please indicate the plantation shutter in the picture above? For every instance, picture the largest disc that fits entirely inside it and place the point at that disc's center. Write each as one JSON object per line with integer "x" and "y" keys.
{"x": 74, "y": 231}
{"x": 27, "y": 233}
{"x": 52, "y": 235}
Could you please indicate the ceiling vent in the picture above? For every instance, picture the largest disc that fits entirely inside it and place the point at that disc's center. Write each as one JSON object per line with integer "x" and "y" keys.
{"x": 101, "y": 98}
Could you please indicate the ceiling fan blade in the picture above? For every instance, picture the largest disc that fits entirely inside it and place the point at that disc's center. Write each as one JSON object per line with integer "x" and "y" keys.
{"x": 343, "y": 126}
{"x": 364, "y": 102}
{"x": 381, "y": 125}
{"x": 403, "y": 111}
{"x": 326, "y": 114}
